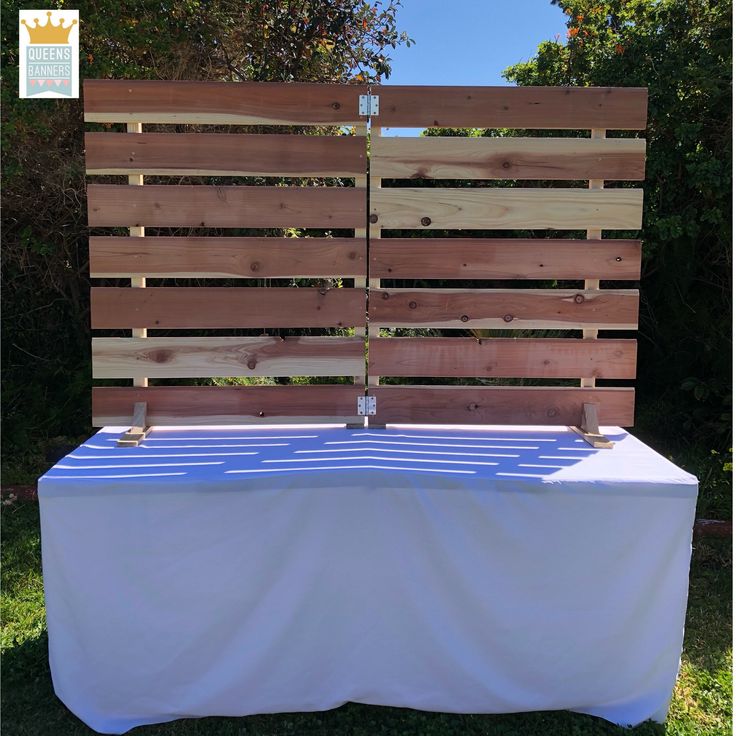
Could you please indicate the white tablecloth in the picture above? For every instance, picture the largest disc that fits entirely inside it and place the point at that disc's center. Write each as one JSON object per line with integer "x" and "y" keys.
{"x": 232, "y": 571}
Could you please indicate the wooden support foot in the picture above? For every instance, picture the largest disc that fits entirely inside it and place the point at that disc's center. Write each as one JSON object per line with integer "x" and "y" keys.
{"x": 139, "y": 430}
{"x": 589, "y": 429}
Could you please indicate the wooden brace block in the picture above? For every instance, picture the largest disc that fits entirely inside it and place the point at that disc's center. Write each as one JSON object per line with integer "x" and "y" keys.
{"x": 138, "y": 431}
{"x": 589, "y": 429}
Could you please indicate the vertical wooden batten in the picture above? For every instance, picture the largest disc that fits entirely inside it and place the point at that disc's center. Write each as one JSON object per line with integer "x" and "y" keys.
{"x": 595, "y": 284}
{"x": 137, "y": 281}
{"x": 374, "y": 233}
{"x": 361, "y": 130}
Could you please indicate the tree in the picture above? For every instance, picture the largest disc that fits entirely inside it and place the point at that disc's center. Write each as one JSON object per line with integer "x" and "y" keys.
{"x": 681, "y": 51}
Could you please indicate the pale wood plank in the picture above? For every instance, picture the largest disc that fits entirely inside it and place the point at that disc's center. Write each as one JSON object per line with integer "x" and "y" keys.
{"x": 112, "y": 205}
{"x": 514, "y": 309}
{"x": 217, "y": 103}
{"x": 508, "y": 158}
{"x": 416, "y": 357}
{"x": 551, "y": 108}
{"x": 592, "y": 282}
{"x": 226, "y": 357}
{"x": 500, "y": 405}
{"x": 227, "y": 257}
{"x": 505, "y": 258}
{"x": 225, "y": 307}
{"x": 508, "y": 209}
{"x": 201, "y": 405}
{"x": 222, "y": 154}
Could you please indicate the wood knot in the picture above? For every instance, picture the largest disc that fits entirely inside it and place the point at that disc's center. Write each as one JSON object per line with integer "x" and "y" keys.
{"x": 553, "y": 412}
{"x": 619, "y": 259}
{"x": 336, "y": 105}
{"x": 255, "y": 266}
{"x": 464, "y": 318}
{"x": 426, "y": 221}
{"x": 261, "y": 414}
{"x": 412, "y": 305}
{"x": 352, "y": 255}
{"x": 385, "y": 295}
{"x": 506, "y": 165}
{"x": 373, "y": 219}
{"x": 508, "y": 318}
{"x": 473, "y": 407}
{"x": 579, "y": 298}
{"x": 251, "y": 363}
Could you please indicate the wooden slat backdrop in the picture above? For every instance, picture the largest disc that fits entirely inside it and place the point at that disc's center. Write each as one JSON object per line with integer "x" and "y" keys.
{"x": 225, "y": 307}
{"x": 366, "y": 257}
{"x": 446, "y": 208}
{"x": 326, "y": 205}
{"x": 199, "y": 405}
{"x": 218, "y": 103}
{"x": 222, "y": 154}
{"x": 510, "y": 258}
{"x": 226, "y": 257}
{"x": 551, "y": 108}
{"x": 562, "y": 159}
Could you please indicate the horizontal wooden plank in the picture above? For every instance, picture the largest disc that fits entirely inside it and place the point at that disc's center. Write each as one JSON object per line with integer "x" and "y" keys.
{"x": 217, "y": 103}
{"x": 502, "y": 358}
{"x": 552, "y": 108}
{"x": 221, "y": 154}
{"x": 501, "y": 405}
{"x": 225, "y": 307}
{"x": 562, "y": 159}
{"x": 513, "y": 309}
{"x": 195, "y": 257}
{"x": 507, "y": 209}
{"x": 198, "y": 405}
{"x": 227, "y": 357}
{"x": 509, "y": 258}
{"x": 113, "y": 205}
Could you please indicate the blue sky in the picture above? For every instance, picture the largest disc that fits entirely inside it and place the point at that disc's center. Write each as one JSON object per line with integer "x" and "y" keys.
{"x": 470, "y": 41}
{"x": 467, "y": 42}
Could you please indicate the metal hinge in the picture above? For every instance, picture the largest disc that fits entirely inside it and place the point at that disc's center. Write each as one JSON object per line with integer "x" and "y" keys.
{"x": 366, "y": 406}
{"x": 368, "y": 105}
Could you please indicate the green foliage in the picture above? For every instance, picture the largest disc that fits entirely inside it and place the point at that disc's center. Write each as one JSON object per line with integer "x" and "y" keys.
{"x": 681, "y": 51}
{"x": 45, "y": 294}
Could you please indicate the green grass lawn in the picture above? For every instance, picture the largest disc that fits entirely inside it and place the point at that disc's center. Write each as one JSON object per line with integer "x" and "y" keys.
{"x": 702, "y": 703}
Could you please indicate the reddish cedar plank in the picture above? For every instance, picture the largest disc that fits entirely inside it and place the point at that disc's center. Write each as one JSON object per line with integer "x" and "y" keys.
{"x": 223, "y": 154}
{"x": 113, "y": 205}
{"x": 225, "y": 307}
{"x": 557, "y": 159}
{"x": 226, "y": 257}
{"x": 182, "y": 405}
{"x": 500, "y": 405}
{"x": 511, "y": 258}
{"x": 242, "y": 103}
{"x": 505, "y": 308}
{"x": 552, "y": 108}
{"x": 502, "y": 358}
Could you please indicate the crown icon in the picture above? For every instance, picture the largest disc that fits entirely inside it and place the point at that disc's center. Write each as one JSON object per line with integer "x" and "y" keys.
{"x": 49, "y": 33}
